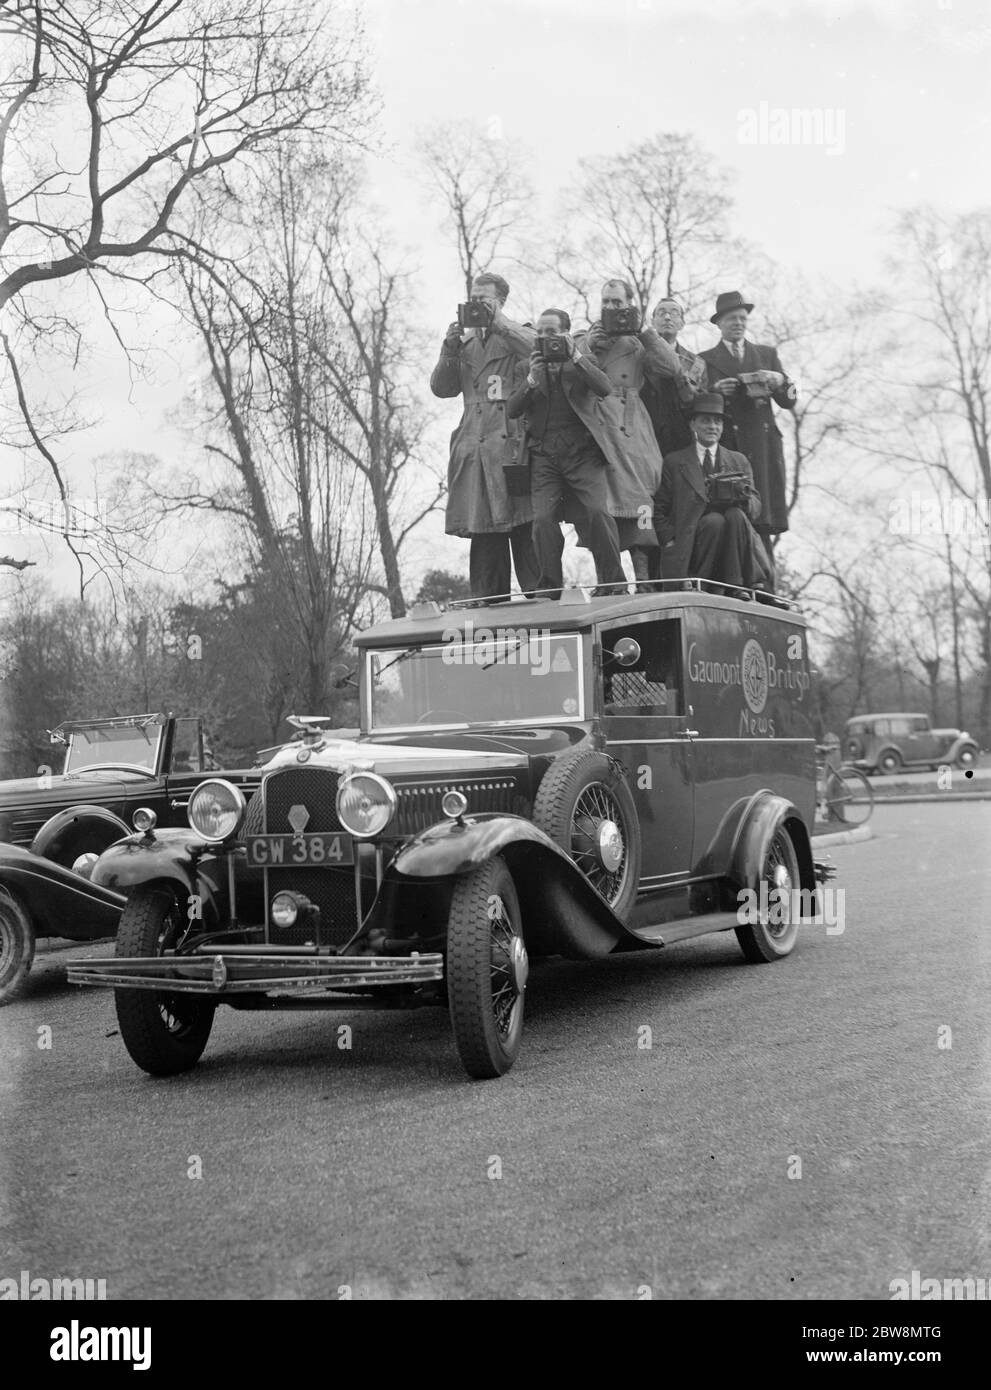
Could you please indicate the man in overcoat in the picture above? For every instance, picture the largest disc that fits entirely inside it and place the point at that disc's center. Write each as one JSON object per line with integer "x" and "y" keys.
{"x": 560, "y": 402}
{"x": 484, "y": 365}
{"x": 750, "y": 424}
{"x": 700, "y": 539}
{"x": 630, "y": 360}
{"x": 669, "y": 399}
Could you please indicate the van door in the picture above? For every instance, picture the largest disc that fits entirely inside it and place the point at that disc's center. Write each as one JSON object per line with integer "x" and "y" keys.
{"x": 646, "y": 727}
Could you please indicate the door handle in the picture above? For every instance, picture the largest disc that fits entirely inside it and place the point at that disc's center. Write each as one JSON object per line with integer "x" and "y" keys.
{"x": 176, "y": 805}
{"x": 688, "y": 733}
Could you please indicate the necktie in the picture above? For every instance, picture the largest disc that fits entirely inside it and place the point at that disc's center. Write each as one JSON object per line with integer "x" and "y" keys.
{"x": 709, "y": 467}
{"x": 738, "y": 351}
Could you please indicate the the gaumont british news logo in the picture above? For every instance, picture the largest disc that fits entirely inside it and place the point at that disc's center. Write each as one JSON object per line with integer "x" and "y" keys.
{"x": 758, "y": 672}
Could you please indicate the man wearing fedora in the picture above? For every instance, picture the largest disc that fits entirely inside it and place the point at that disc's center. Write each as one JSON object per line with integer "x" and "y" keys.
{"x": 701, "y": 537}
{"x": 749, "y": 376}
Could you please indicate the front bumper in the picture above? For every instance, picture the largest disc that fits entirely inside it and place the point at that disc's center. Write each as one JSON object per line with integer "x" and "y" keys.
{"x": 249, "y": 971}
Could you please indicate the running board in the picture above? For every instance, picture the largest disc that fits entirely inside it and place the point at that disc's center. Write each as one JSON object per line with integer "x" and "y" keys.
{"x": 684, "y": 928}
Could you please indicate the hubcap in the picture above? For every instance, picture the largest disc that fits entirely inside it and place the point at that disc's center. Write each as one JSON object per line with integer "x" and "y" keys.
{"x": 610, "y": 846}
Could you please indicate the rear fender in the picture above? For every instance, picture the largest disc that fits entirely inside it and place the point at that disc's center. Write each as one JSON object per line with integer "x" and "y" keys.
{"x": 951, "y": 754}
{"x": 168, "y": 857}
{"x": 75, "y": 823}
{"x": 562, "y": 912}
{"x": 764, "y": 813}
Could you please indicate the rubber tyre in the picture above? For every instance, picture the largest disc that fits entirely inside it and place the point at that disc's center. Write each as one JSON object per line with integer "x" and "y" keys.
{"x": 560, "y": 793}
{"x": 16, "y": 945}
{"x": 483, "y": 993}
{"x": 889, "y": 763}
{"x": 765, "y": 942}
{"x": 849, "y": 796}
{"x": 165, "y": 1034}
{"x": 967, "y": 757}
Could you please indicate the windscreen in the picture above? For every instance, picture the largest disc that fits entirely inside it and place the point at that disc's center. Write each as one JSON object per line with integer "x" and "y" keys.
{"x": 135, "y": 746}
{"x": 516, "y": 679}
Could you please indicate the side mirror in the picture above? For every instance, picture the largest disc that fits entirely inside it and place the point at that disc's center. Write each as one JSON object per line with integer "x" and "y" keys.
{"x": 341, "y": 675}
{"x": 626, "y": 652}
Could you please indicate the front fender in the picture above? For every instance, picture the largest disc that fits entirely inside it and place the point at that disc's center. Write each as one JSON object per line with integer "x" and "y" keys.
{"x": 562, "y": 912}
{"x": 166, "y": 856}
{"x": 69, "y": 824}
{"x": 963, "y": 741}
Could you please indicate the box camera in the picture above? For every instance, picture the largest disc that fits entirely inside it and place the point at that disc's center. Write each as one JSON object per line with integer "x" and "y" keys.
{"x": 553, "y": 347}
{"x": 618, "y": 321}
{"x": 756, "y": 389}
{"x": 475, "y": 314}
{"x": 723, "y": 490}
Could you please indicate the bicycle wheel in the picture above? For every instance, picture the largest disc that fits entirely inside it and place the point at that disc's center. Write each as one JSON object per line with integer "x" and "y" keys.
{"x": 849, "y": 795}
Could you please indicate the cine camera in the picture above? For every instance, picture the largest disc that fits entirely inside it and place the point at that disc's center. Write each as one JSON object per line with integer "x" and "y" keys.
{"x": 553, "y": 347}
{"x": 475, "y": 314}
{"x": 616, "y": 322}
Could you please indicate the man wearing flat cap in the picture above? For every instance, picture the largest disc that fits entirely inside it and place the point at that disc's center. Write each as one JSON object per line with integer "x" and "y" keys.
{"x": 749, "y": 376}
{"x": 706, "y": 509}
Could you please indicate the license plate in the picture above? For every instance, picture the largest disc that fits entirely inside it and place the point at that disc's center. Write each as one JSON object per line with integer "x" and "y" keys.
{"x": 273, "y": 851}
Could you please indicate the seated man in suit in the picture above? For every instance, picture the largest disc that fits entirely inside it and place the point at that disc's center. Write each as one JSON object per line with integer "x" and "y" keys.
{"x": 702, "y": 537}
{"x": 558, "y": 399}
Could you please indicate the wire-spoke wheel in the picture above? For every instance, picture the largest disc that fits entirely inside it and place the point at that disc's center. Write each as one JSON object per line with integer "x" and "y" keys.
{"x": 849, "y": 796}
{"x": 486, "y": 969}
{"x": 772, "y": 930}
{"x": 164, "y": 1033}
{"x": 586, "y": 807}
{"x": 16, "y": 945}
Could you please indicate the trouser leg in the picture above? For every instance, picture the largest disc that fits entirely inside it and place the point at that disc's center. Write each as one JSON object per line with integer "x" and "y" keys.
{"x": 488, "y": 566}
{"x": 547, "y": 493}
{"x": 525, "y": 557}
{"x": 768, "y": 568}
{"x": 734, "y": 565}
{"x": 706, "y": 546}
{"x": 585, "y": 477}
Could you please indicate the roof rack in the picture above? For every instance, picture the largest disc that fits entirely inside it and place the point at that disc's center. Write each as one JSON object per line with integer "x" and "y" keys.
{"x": 584, "y": 593}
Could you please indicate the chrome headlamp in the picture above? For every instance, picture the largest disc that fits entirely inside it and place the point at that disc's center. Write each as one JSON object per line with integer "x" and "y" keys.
{"x": 366, "y": 804}
{"x": 216, "y": 810}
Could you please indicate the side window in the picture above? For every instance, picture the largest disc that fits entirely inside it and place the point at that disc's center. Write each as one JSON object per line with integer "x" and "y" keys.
{"x": 652, "y": 685}
{"x": 882, "y": 727}
{"x": 920, "y": 725}
{"x": 900, "y": 728}
{"x": 186, "y": 746}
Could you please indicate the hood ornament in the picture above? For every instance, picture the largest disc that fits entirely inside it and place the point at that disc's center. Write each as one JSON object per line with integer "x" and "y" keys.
{"x": 298, "y": 818}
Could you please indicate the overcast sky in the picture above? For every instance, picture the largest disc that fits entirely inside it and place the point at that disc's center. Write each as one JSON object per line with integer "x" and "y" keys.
{"x": 899, "y": 90}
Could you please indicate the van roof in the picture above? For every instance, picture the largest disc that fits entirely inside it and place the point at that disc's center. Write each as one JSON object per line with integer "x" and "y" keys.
{"x": 576, "y": 609}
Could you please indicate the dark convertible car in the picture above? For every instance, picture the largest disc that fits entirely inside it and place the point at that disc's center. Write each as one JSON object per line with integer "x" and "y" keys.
{"x": 535, "y": 778}
{"x": 54, "y": 826}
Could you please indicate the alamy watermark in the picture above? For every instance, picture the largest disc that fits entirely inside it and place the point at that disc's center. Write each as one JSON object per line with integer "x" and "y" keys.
{"x": 34, "y": 1288}
{"x": 822, "y": 127}
{"x": 509, "y": 646}
{"x": 777, "y": 907}
{"x": 920, "y": 1288}
{"x": 922, "y": 515}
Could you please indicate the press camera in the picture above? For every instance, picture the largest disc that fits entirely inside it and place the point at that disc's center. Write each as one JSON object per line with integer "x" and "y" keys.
{"x": 616, "y": 322}
{"x": 475, "y": 314}
{"x": 553, "y": 347}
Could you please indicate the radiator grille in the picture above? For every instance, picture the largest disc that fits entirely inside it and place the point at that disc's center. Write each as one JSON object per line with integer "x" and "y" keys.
{"x": 419, "y": 802}
{"x": 331, "y": 890}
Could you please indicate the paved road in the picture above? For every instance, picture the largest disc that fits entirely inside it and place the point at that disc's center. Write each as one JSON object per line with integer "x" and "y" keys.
{"x": 620, "y": 1167}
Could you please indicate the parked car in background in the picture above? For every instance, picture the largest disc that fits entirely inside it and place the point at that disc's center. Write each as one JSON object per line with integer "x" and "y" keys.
{"x": 538, "y": 778}
{"x": 886, "y": 743}
{"x": 70, "y": 813}
{"x": 40, "y": 898}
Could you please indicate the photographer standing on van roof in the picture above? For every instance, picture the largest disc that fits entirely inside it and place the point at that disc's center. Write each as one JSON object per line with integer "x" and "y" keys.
{"x": 669, "y": 399}
{"x": 630, "y": 354}
{"x": 749, "y": 376}
{"x": 560, "y": 399}
{"x": 483, "y": 357}
{"x": 706, "y": 509}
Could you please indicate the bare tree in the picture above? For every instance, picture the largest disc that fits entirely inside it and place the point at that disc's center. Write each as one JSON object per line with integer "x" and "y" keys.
{"x": 148, "y": 108}
{"x": 657, "y": 215}
{"x": 484, "y": 190}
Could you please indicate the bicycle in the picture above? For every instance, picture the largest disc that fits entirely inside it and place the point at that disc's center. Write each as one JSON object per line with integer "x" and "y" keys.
{"x": 844, "y": 790}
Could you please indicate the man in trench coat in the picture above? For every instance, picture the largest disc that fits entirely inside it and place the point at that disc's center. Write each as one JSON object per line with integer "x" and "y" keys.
{"x": 629, "y": 360}
{"x": 750, "y": 423}
{"x": 484, "y": 365}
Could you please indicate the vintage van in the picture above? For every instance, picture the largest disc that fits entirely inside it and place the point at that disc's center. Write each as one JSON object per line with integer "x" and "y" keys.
{"x": 531, "y": 778}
